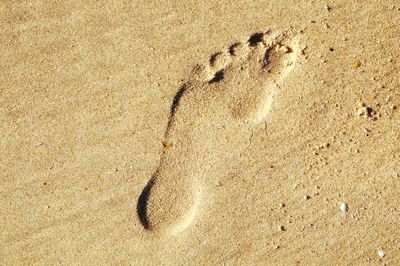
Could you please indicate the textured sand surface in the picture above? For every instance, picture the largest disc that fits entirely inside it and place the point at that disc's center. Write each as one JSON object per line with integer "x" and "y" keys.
{"x": 200, "y": 132}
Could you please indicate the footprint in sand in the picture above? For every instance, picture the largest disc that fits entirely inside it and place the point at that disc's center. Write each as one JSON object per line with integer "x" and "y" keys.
{"x": 221, "y": 100}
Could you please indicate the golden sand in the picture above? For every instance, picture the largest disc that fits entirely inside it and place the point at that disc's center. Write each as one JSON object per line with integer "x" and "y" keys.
{"x": 200, "y": 132}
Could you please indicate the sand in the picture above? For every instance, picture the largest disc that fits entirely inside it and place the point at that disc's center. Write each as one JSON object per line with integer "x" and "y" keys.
{"x": 202, "y": 133}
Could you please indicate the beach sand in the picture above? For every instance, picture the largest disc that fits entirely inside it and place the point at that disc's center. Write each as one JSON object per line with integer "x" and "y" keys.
{"x": 200, "y": 132}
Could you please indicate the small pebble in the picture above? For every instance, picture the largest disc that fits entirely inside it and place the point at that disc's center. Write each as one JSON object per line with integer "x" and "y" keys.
{"x": 306, "y": 197}
{"x": 327, "y": 8}
{"x": 166, "y": 144}
{"x": 344, "y": 207}
{"x": 366, "y": 112}
{"x": 357, "y": 64}
{"x": 282, "y": 228}
{"x": 381, "y": 253}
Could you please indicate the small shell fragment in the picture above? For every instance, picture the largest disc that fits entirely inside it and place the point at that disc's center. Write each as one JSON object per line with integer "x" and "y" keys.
{"x": 381, "y": 253}
{"x": 344, "y": 207}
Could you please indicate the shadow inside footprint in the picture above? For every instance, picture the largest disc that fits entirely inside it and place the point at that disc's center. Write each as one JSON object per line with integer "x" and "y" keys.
{"x": 177, "y": 98}
{"x": 142, "y": 205}
{"x": 217, "y": 77}
{"x": 256, "y": 38}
